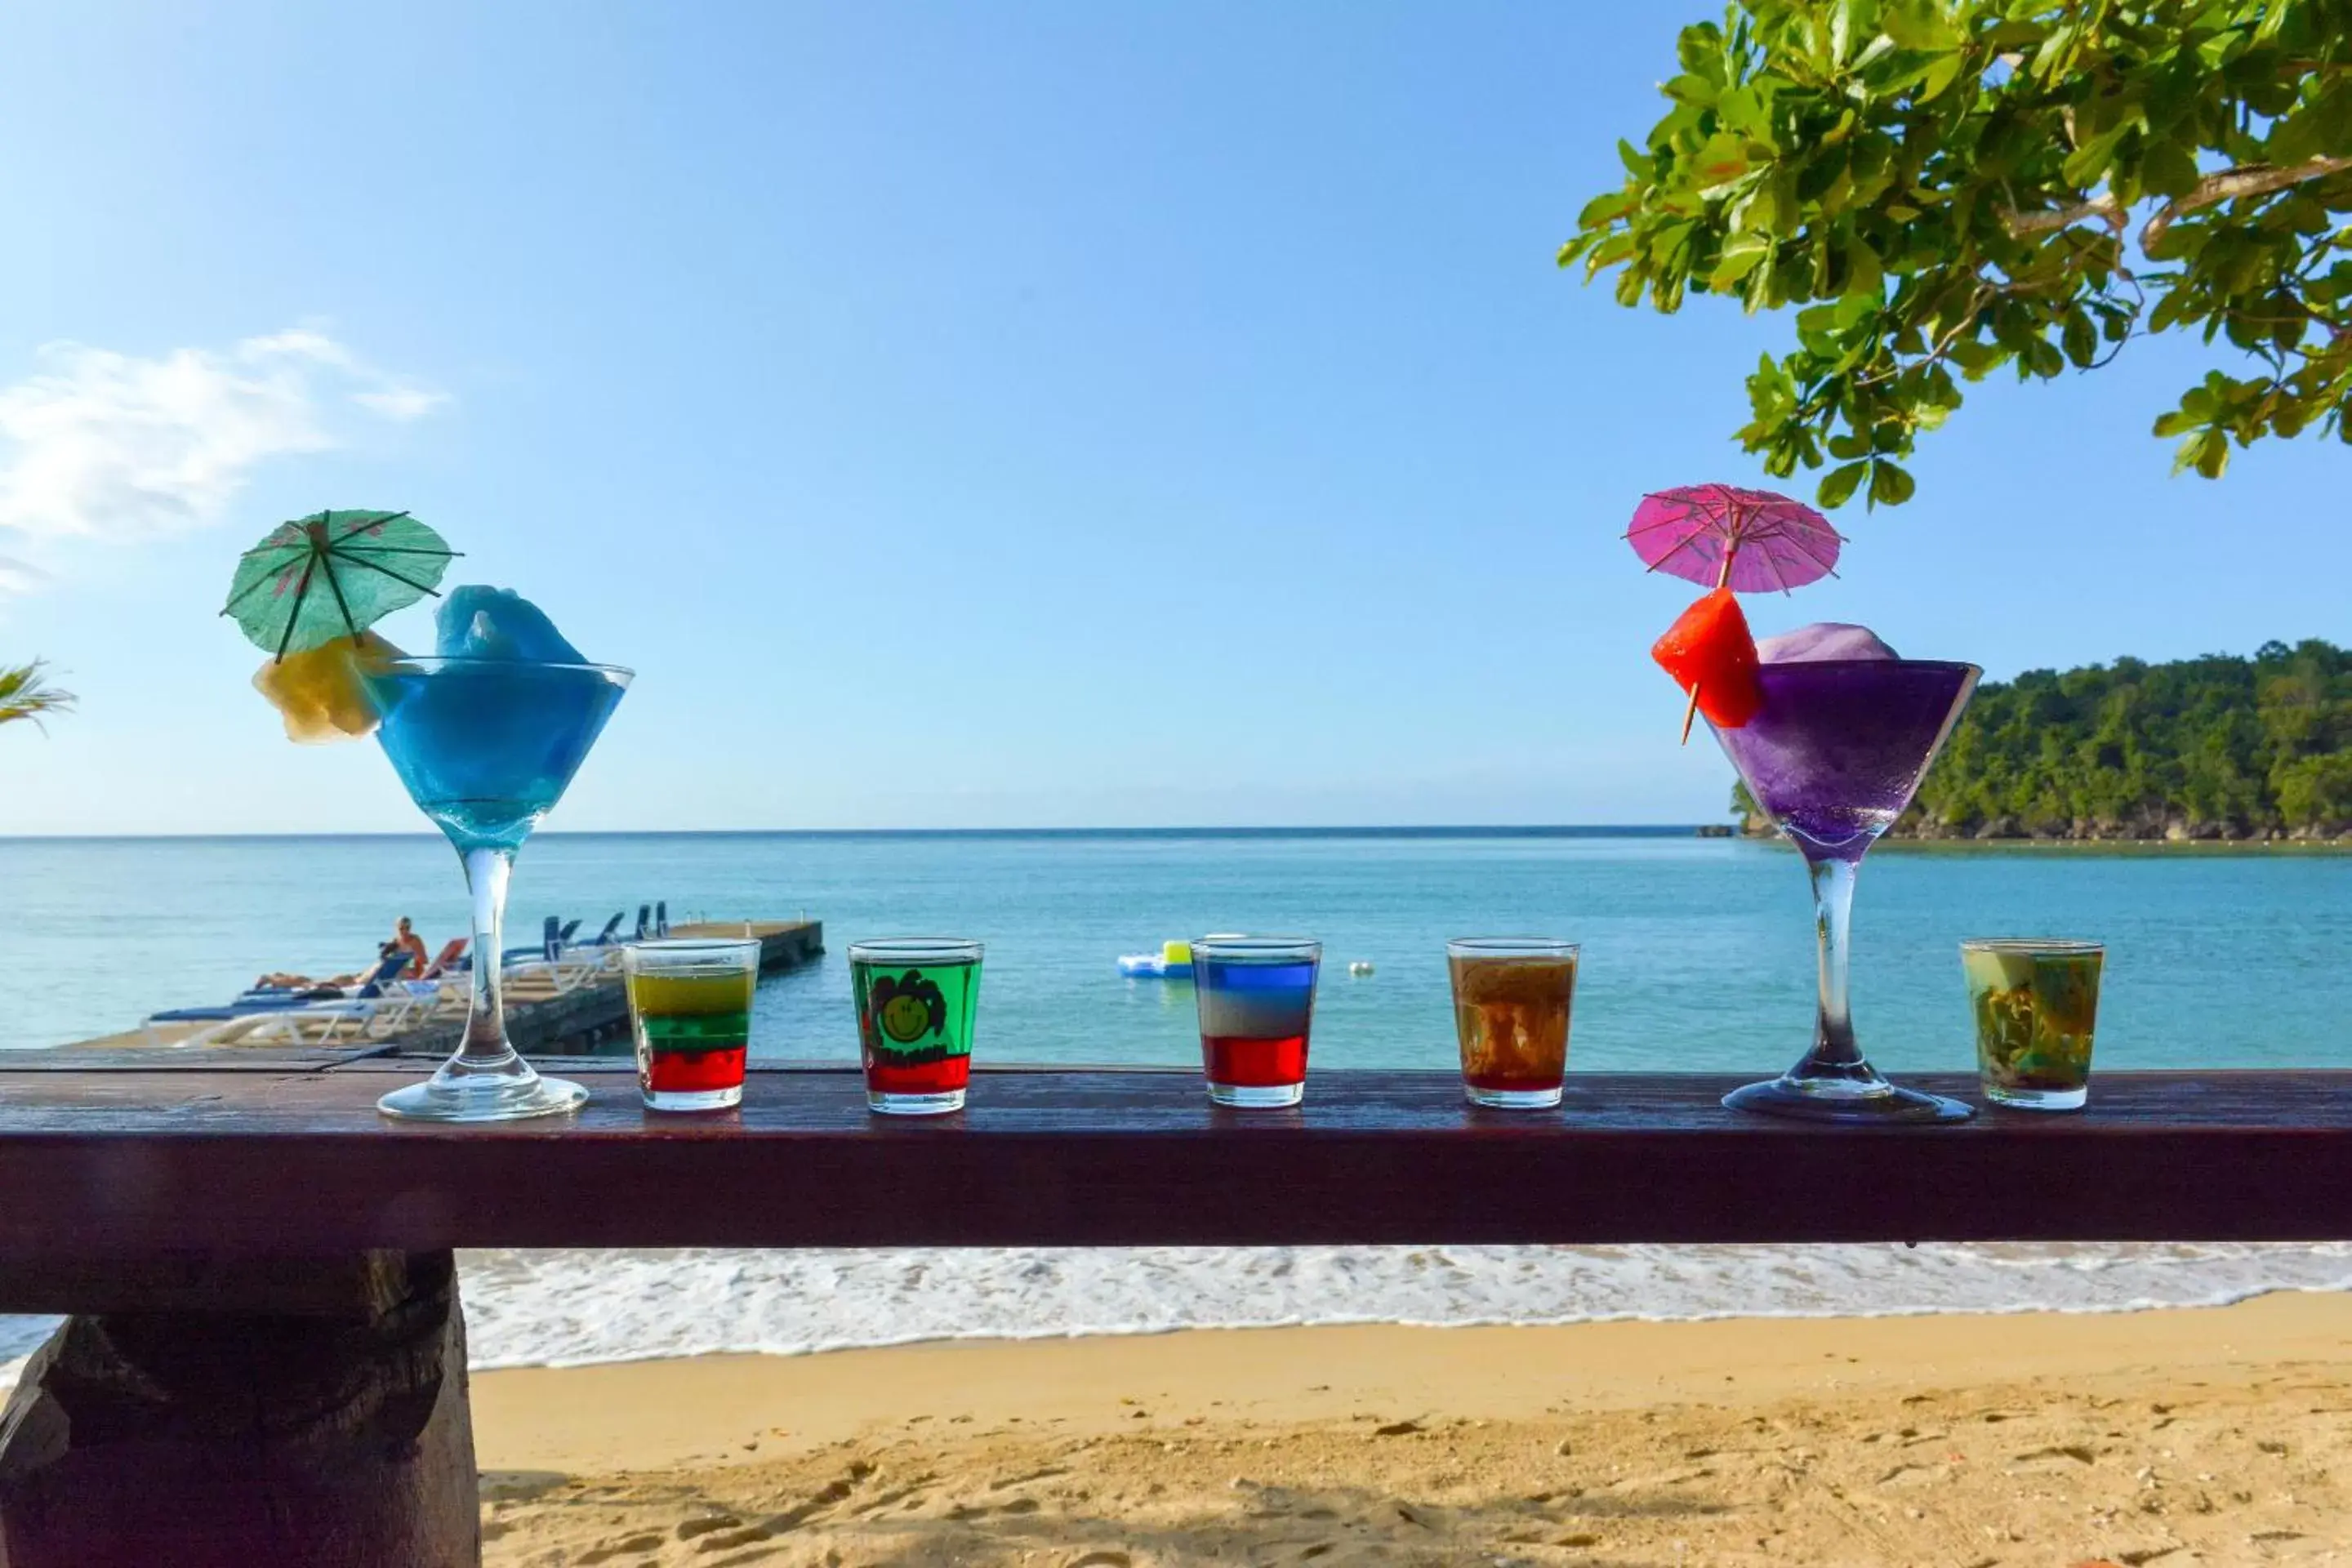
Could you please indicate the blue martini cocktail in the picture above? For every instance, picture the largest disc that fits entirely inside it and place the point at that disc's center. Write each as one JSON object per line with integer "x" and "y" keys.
{"x": 487, "y": 747}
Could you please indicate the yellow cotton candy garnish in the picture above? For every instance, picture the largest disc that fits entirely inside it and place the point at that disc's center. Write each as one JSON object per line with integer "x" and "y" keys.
{"x": 320, "y": 693}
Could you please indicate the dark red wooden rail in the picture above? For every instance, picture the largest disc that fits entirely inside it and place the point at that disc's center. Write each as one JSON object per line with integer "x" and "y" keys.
{"x": 267, "y": 1360}
{"x": 298, "y": 1162}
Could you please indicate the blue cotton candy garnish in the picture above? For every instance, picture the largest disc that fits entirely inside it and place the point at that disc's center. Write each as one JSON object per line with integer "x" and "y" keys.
{"x": 499, "y": 623}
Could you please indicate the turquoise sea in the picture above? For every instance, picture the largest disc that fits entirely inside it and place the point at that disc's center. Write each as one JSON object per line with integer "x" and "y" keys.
{"x": 1698, "y": 952}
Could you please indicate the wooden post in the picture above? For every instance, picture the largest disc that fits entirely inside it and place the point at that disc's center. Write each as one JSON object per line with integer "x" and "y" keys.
{"x": 307, "y": 1412}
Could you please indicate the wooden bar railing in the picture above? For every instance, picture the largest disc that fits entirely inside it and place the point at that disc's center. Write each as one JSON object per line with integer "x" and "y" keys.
{"x": 265, "y": 1361}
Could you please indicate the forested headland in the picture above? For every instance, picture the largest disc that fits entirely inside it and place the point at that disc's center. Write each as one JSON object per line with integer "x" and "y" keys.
{"x": 2211, "y": 748}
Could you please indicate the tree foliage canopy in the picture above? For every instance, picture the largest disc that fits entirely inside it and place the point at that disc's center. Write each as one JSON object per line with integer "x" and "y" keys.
{"x": 1948, "y": 188}
{"x": 2216, "y": 747}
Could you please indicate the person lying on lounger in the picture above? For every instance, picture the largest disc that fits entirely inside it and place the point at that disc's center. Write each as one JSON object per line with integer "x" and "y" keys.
{"x": 404, "y": 941}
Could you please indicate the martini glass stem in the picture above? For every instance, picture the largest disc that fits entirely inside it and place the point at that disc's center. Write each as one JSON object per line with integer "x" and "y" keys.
{"x": 485, "y": 1047}
{"x": 1835, "y": 1054}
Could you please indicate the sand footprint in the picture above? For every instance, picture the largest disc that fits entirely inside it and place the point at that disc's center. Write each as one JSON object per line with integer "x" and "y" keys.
{"x": 691, "y": 1527}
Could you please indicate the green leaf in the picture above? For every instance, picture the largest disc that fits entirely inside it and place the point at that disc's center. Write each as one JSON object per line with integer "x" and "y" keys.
{"x": 1940, "y": 76}
{"x": 1976, "y": 357}
{"x": 1606, "y": 209}
{"x": 2088, "y": 163}
{"x": 2214, "y": 460}
{"x": 2020, "y": 31}
{"x": 1915, "y": 25}
{"x": 1740, "y": 256}
{"x": 1699, "y": 47}
{"x": 2296, "y": 138}
{"x": 2168, "y": 170}
{"x": 2080, "y": 339}
{"x": 1837, "y": 486}
{"x": 1695, "y": 90}
{"x": 1889, "y": 485}
{"x": 1865, "y": 278}
{"x": 1616, "y": 248}
{"x": 2207, "y": 451}
{"x": 1722, "y": 160}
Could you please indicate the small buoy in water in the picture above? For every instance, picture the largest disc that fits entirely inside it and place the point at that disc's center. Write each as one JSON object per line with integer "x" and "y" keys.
{"x": 1359, "y": 967}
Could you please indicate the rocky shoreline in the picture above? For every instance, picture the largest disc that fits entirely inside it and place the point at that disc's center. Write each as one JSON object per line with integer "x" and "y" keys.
{"x": 1918, "y": 828}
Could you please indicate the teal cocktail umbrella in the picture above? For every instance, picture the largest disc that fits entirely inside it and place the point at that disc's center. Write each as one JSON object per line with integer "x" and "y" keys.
{"x": 333, "y": 575}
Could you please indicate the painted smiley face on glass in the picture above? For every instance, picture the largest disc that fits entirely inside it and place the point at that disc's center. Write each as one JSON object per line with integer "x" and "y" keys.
{"x": 909, "y": 1006}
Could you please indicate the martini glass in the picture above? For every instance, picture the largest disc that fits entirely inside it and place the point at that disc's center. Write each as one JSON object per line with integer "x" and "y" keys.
{"x": 1833, "y": 756}
{"x": 486, "y": 747}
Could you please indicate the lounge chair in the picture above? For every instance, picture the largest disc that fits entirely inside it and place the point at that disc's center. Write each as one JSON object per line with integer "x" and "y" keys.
{"x": 645, "y": 922}
{"x": 279, "y": 1000}
{"x": 382, "y": 1006}
{"x": 327, "y": 1023}
{"x": 537, "y": 979}
{"x": 661, "y": 919}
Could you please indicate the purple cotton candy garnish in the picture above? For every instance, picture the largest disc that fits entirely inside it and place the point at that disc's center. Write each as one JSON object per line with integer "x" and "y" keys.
{"x": 1822, "y": 640}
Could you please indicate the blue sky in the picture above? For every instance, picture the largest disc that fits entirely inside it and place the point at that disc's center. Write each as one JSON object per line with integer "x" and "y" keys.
{"x": 1051, "y": 414}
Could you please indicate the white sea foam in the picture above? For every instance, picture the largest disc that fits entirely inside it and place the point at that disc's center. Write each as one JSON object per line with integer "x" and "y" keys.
{"x": 577, "y": 1307}
{"x": 573, "y": 1307}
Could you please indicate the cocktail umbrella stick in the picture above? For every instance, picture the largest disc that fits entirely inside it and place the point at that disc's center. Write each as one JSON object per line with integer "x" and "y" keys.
{"x": 1721, "y": 577}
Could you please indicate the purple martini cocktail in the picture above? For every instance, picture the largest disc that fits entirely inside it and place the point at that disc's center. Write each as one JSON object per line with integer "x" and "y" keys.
{"x": 1833, "y": 754}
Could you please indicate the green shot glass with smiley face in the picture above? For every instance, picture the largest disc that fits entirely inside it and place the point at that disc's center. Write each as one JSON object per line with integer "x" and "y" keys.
{"x": 916, "y": 997}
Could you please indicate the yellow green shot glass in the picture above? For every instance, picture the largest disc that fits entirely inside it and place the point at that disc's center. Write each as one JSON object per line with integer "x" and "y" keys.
{"x": 2036, "y": 1004}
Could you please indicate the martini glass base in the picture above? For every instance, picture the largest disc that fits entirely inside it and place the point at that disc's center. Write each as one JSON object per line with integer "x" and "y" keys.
{"x": 1846, "y": 1099}
{"x": 484, "y": 1097}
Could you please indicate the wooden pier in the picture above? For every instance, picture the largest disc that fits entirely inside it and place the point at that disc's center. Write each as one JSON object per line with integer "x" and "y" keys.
{"x": 593, "y": 1020}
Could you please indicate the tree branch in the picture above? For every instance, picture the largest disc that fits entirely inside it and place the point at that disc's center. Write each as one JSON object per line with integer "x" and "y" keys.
{"x": 2224, "y": 185}
{"x": 2230, "y": 185}
{"x": 2103, "y": 206}
{"x": 1986, "y": 293}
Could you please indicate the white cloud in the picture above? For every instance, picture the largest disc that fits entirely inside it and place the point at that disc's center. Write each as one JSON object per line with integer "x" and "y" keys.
{"x": 402, "y": 403}
{"x": 107, "y": 446}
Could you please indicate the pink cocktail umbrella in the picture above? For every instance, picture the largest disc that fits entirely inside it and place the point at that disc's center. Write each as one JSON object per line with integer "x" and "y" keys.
{"x": 1747, "y": 540}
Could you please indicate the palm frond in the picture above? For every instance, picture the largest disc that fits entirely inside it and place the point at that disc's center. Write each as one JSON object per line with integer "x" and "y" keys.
{"x": 25, "y": 695}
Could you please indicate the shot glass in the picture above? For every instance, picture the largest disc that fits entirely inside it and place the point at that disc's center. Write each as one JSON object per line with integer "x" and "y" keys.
{"x": 1256, "y": 996}
{"x": 916, "y": 996}
{"x": 1511, "y": 999}
{"x": 690, "y": 1014}
{"x": 2035, "y": 1004}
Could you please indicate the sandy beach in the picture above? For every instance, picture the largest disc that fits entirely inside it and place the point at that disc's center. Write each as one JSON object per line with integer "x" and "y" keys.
{"x": 2212, "y": 1435}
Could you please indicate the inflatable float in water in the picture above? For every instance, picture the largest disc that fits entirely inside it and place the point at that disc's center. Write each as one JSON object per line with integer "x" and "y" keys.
{"x": 1173, "y": 961}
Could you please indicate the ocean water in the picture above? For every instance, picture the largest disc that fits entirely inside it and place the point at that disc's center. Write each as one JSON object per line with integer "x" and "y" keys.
{"x": 1697, "y": 955}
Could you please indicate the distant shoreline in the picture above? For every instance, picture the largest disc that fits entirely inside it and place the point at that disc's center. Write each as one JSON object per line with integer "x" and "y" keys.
{"x": 2244, "y": 847}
